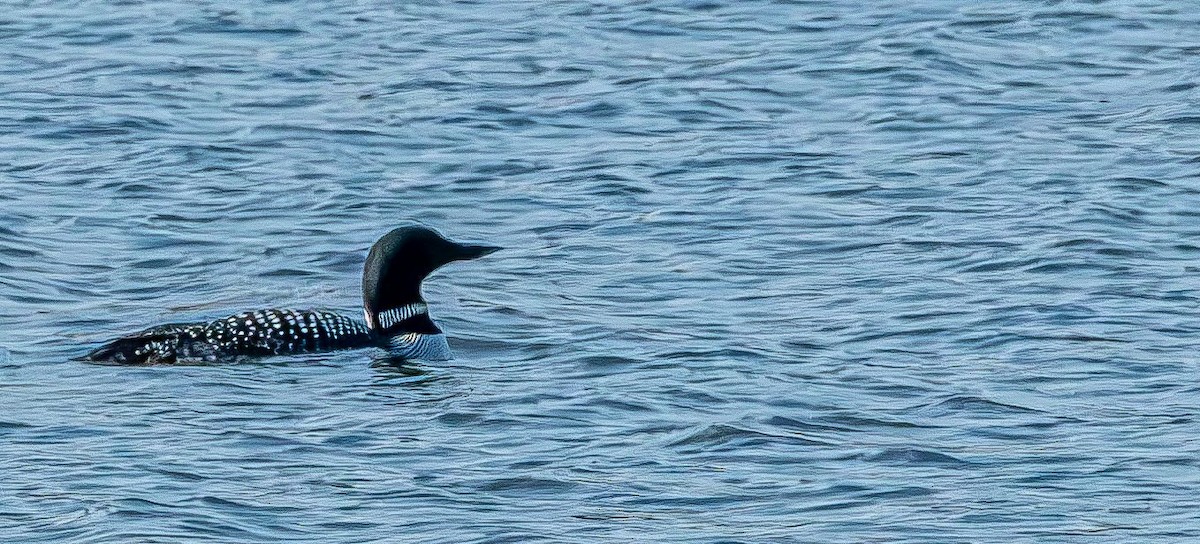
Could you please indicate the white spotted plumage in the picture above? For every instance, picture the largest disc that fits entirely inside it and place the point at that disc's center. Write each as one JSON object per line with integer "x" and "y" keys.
{"x": 262, "y": 332}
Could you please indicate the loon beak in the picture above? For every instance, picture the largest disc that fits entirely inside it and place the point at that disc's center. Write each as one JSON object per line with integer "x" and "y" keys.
{"x": 468, "y": 252}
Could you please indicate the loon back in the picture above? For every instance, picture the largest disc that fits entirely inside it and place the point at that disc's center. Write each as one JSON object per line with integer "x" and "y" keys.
{"x": 257, "y": 333}
{"x": 397, "y": 317}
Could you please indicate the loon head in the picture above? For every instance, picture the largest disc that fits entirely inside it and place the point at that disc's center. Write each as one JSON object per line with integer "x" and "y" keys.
{"x": 396, "y": 266}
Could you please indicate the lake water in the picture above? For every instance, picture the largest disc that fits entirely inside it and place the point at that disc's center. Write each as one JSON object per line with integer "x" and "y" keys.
{"x": 812, "y": 271}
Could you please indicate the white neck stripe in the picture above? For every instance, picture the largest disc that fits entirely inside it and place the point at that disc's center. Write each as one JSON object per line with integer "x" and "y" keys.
{"x": 387, "y": 318}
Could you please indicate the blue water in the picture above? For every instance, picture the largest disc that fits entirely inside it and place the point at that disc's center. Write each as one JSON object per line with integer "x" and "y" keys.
{"x": 813, "y": 271}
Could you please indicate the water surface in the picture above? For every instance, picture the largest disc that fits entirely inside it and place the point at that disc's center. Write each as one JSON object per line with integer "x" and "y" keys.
{"x": 775, "y": 271}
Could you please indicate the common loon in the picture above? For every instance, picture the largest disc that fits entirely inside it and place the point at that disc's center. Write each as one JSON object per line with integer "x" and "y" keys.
{"x": 396, "y": 316}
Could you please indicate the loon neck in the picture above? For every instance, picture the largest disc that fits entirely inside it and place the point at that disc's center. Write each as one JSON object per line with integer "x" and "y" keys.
{"x": 409, "y": 318}
{"x": 394, "y": 316}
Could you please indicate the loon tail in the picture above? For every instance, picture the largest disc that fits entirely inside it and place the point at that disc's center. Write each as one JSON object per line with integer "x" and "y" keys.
{"x": 156, "y": 345}
{"x": 130, "y": 350}
{"x": 119, "y": 351}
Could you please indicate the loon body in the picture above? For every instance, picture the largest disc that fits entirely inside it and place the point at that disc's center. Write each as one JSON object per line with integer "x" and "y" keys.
{"x": 396, "y": 316}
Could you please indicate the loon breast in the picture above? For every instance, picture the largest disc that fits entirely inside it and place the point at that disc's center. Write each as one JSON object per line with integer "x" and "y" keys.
{"x": 414, "y": 345}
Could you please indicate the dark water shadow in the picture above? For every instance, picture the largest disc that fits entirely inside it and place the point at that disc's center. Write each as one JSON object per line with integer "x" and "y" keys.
{"x": 298, "y": 359}
{"x": 392, "y": 370}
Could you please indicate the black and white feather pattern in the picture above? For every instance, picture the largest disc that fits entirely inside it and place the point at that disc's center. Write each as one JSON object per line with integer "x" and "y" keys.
{"x": 390, "y": 318}
{"x": 256, "y": 333}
